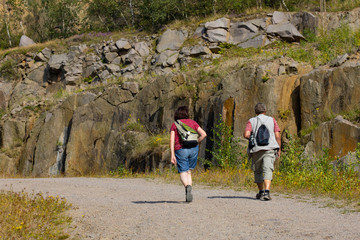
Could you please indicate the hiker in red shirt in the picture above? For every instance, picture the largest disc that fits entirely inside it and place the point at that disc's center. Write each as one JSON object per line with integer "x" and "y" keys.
{"x": 185, "y": 157}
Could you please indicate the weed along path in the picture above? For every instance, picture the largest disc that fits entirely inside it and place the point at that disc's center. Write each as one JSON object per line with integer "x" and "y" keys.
{"x": 109, "y": 208}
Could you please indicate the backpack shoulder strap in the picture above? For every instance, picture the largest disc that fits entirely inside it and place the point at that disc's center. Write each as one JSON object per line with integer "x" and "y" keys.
{"x": 257, "y": 123}
{"x": 178, "y": 124}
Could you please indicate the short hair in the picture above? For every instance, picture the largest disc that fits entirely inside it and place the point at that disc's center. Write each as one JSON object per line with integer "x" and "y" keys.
{"x": 181, "y": 113}
{"x": 260, "y": 108}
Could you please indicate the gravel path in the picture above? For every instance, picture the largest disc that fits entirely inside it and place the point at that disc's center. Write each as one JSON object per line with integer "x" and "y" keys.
{"x": 108, "y": 208}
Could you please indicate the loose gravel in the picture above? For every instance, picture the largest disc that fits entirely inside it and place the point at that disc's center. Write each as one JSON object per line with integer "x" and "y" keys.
{"x": 110, "y": 208}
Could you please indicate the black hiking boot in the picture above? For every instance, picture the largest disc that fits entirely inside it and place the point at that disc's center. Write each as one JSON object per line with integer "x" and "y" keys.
{"x": 261, "y": 193}
{"x": 266, "y": 196}
{"x": 189, "y": 196}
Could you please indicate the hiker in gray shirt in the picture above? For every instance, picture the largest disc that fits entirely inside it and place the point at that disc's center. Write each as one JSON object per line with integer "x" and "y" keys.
{"x": 264, "y": 137}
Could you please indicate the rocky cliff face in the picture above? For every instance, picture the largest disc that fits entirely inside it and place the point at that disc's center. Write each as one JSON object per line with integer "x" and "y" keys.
{"x": 91, "y": 109}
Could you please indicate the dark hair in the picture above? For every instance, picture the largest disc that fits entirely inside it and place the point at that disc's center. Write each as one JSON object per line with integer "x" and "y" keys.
{"x": 260, "y": 108}
{"x": 181, "y": 113}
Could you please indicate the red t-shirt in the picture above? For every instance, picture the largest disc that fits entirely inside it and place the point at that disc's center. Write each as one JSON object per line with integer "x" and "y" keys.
{"x": 191, "y": 123}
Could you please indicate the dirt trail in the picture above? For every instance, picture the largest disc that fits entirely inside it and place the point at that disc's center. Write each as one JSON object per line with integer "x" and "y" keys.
{"x": 107, "y": 208}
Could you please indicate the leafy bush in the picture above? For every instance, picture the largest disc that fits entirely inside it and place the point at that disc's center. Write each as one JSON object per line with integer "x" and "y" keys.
{"x": 226, "y": 151}
{"x": 336, "y": 42}
{"x": 8, "y": 70}
{"x": 319, "y": 175}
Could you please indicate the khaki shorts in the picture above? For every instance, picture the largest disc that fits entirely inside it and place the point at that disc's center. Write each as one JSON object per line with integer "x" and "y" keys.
{"x": 263, "y": 165}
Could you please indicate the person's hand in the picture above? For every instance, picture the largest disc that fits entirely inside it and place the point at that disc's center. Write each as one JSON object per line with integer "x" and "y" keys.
{"x": 173, "y": 160}
{"x": 279, "y": 153}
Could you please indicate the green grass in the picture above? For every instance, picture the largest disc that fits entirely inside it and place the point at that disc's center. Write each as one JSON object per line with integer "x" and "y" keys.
{"x": 8, "y": 70}
{"x": 32, "y": 216}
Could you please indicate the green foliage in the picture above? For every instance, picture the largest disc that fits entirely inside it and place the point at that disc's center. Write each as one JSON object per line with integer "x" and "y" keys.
{"x": 319, "y": 175}
{"x": 226, "y": 151}
{"x": 266, "y": 77}
{"x": 357, "y": 151}
{"x": 334, "y": 43}
{"x": 309, "y": 35}
{"x": 284, "y": 114}
{"x": 88, "y": 79}
{"x": 308, "y": 130}
{"x": 33, "y": 108}
{"x": 302, "y": 55}
{"x": 107, "y": 15}
{"x": 4, "y": 38}
{"x": 52, "y": 19}
{"x": 134, "y": 125}
{"x": 59, "y": 94}
{"x": 8, "y": 70}
{"x": 121, "y": 171}
{"x": 353, "y": 116}
{"x": 2, "y": 112}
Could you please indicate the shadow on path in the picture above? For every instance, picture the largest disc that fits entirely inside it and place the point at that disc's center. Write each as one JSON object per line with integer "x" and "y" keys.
{"x": 231, "y": 197}
{"x": 156, "y": 202}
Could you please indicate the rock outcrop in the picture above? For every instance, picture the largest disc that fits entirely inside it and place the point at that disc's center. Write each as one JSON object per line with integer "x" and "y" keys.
{"x": 91, "y": 109}
{"x": 339, "y": 136}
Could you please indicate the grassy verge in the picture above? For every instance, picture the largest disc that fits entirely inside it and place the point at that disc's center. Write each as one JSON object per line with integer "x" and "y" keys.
{"x": 32, "y": 216}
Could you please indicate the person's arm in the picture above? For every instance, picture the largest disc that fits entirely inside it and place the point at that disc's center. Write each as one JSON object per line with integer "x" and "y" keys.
{"x": 277, "y": 136}
{"x": 202, "y": 134}
{"x": 278, "y": 140}
{"x": 248, "y": 130}
{"x": 247, "y": 134}
{"x": 172, "y": 147}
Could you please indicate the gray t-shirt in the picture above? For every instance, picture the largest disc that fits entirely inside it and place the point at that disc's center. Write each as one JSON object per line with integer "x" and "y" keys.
{"x": 256, "y": 122}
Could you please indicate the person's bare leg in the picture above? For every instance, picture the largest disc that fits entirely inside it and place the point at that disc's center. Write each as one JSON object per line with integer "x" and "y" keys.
{"x": 267, "y": 184}
{"x": 184, "y": 178}
{"x": 189, "y": 178}
{"x": 260, "y": 186}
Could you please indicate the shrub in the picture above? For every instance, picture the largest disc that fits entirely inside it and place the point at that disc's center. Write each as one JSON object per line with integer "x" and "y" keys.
{"x": 32, "y": 216}
{"x": 8, "y": 70}
{"x": 226, "y": 151}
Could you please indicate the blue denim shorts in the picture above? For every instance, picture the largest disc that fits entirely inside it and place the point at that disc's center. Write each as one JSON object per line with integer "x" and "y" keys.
{"x": 186, "y": 158}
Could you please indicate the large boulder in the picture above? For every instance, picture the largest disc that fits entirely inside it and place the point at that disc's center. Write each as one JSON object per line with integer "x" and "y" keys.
{"x": 171, "y": 40}
{"x": 37, "y": 73}
{"x": 123, "y": 45}
{"x": 338, "y": 135}
{"x": 242, "y": 32}
{"x": 305, "y": 21}
{"x": 256, "y": 42}
{"x": 57, "y": 61}
{"x": 166, "y": 58}
{"x": 26, "y": 41}
{"x": 219, "y": 23}
{"x": 217, "y": 35}
{"x": 279, "y": 17}
{"x": 286, "y": 31}
{"x": 142, "y": 48}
